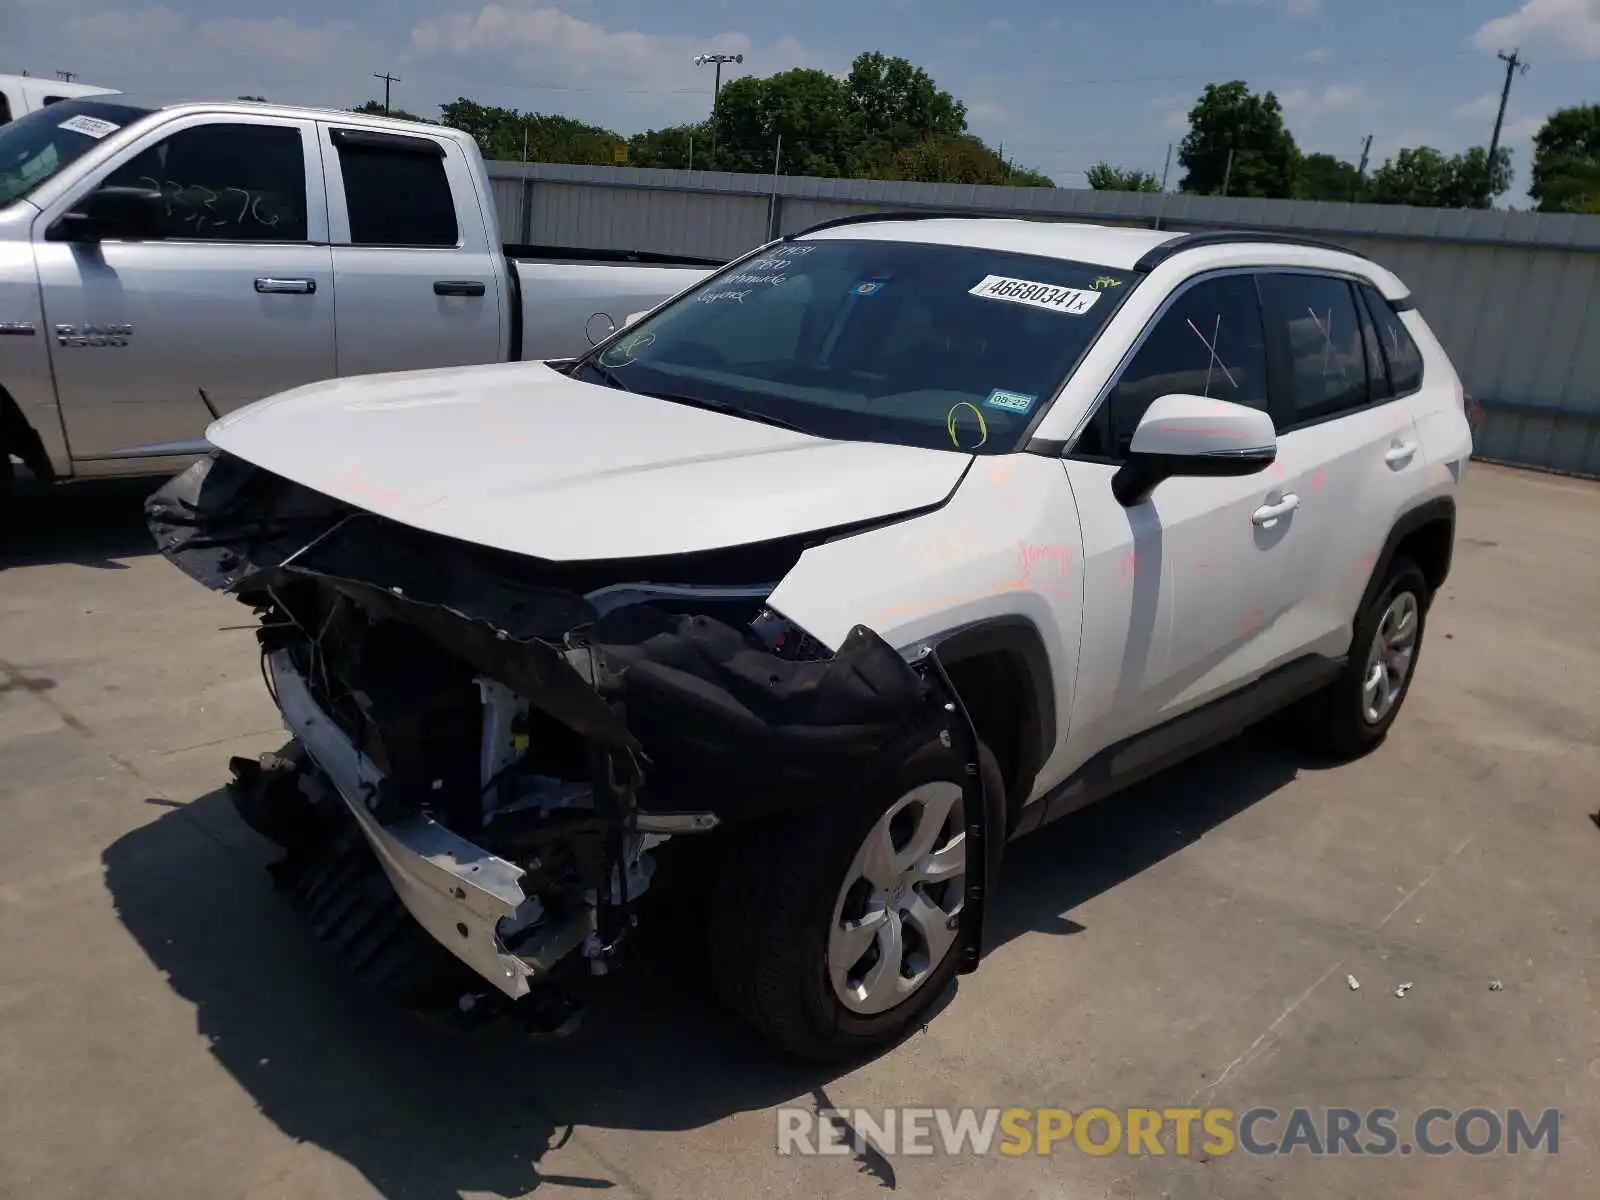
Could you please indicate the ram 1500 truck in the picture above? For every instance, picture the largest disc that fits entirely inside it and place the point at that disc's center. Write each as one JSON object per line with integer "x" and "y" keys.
{"x": 161, "y": 265}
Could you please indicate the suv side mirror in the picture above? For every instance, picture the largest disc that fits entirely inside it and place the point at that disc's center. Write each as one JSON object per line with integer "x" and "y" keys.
{"x": 112, "y": 212}
{"x": 1193, "y": 436}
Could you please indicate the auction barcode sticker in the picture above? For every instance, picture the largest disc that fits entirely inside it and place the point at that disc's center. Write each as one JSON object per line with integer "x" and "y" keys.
{"x": 89, "y": 126}
{"x": 1073, "y": 301}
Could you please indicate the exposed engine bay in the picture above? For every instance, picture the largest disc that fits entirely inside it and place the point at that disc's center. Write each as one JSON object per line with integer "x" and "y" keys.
{"x": 519, "y": 745}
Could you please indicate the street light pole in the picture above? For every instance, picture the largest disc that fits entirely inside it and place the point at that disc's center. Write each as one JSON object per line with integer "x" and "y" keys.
{"x": 701, "y": 60}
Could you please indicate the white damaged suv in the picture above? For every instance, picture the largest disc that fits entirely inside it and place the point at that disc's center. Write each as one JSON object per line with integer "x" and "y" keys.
{"x": 804, "y": 592}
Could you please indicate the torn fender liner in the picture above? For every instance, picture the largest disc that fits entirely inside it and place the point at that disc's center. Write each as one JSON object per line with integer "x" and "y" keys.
{"x": 730, "y": 727}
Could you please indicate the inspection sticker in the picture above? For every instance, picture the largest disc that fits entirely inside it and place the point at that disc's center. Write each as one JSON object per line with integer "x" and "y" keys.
{"x": 1017, "y": 402}
{"x": 867, "y": 287}
{"x": 1073, "y": 301}
{"x": 89, "y": 126}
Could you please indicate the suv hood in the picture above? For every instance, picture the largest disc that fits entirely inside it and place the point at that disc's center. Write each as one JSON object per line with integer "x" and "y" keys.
{"x": 519, "y": 457}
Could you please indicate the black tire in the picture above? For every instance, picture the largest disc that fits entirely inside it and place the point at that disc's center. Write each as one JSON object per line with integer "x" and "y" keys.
{"x": 773, "y": 905}
{"x": 1332, "y": 721}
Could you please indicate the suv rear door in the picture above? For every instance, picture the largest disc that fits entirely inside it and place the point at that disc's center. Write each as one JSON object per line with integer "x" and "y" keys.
{"x": 419, "y": 283}
{"x": 1347, "y": 440}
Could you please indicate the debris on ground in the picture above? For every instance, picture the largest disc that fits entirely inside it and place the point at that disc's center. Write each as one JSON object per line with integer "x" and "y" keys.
{"x": 1403, "y": 989}
{"x": 1355, "y": 984}
{"x": 1496, "y": 986}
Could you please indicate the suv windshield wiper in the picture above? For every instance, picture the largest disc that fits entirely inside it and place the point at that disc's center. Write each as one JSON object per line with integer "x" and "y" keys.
{"x": 733, "y": 410}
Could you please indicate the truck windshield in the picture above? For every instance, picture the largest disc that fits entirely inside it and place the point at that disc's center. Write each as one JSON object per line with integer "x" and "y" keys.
{"x": 948, "y": 347}
{"x": 35, "y": 147}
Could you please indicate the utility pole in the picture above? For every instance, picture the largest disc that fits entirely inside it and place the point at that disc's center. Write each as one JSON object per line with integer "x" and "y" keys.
{"x": 387, "y": 80}
{"x": 1227, "y": 172}
{"x": 1166, "y": 170}
{"x": 66, "y": 76}
{"x": 1514, "y": 67}
{"x": 1361, "y": 171}
{"x": 701, "y": 60}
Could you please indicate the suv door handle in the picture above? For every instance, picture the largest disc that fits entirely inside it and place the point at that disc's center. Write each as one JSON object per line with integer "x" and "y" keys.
{"x": 458, "y": 287}
{"x": 297, "y": 287}
{"x": 1400, "y": 453}
{"x": 1268, "y": 514}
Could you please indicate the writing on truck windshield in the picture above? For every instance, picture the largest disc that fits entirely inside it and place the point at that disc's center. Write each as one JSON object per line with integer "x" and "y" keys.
{"x": 948, "y": 347}
{"x": 36, "y": 147}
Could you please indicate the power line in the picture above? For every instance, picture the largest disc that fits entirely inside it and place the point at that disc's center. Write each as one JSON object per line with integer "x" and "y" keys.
{"x": 1514, "y": 67}
{"x": 387, "y": 80}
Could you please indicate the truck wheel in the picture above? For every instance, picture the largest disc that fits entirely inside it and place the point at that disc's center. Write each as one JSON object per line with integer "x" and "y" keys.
{"x": 831, "y": 930}
{"x": 1352, "y": 715}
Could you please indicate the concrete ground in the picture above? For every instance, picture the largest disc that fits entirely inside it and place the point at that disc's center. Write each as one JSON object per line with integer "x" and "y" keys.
{"x": 166, "y": 1030}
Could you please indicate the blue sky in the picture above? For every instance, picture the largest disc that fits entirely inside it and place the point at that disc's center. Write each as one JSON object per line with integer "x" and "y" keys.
{"x": 1062, "y": 83}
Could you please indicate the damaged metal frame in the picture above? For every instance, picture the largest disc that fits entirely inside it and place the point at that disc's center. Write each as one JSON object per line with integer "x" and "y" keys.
{"x": 531, "y": 639}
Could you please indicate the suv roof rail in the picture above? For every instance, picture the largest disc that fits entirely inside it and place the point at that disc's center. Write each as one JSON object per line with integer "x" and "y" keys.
{"x": 923, "y": 214}
{"x": 1156, "y": 255}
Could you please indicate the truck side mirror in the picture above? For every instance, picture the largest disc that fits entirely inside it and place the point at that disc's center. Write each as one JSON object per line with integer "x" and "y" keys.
{"x": 128, "y": 213}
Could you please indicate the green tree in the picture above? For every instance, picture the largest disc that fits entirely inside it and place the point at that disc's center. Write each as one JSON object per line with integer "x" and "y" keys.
{"x": 1428, "y": 178}
{"x": 806, "y": 107}
{"x": 503, "y": 133}
{"x": 1566, "y": 161}
{"x": 1229, "y": 118}
{"x": 892, "y": 103}
{"x": 1325, "y": 177}
{"x": 955, "y": 158}
{"x": 375, "y": 108}
{"x": 1103, "y": 177}
{"x": 677, "y": 146}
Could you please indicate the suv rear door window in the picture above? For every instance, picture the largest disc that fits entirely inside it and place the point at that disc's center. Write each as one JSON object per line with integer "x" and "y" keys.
{"x": 1315, "y": 318}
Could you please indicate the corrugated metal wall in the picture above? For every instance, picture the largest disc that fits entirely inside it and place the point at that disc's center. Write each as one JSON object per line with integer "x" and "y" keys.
{"x": 1514, "y": 297}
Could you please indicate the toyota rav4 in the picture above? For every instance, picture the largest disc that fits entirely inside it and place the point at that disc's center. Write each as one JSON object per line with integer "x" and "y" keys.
{"x": 803, "y": 593}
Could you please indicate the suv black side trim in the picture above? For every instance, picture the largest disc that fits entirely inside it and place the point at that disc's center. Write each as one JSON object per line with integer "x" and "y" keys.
{"x": 1156, "y": 255}
{"x": 1178, "y": 740}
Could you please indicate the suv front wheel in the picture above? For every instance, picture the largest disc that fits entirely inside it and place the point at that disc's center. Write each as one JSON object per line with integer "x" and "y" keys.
{"x": 834, "y": 932}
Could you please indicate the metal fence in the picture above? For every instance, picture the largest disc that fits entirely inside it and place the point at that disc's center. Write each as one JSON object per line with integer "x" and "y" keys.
{"x": 1515, "y": 297}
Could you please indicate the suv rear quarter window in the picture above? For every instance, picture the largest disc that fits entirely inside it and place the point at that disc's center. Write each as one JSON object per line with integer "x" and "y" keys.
{"x": 1395, "y": 342}
{"x": 1314, "y": 317}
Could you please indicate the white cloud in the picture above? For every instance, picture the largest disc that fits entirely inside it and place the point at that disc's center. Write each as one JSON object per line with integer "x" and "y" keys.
{"x": 1306, "y": 102}
{"x": 1571, "y": 25}
{"x": 987, "y": 110}
{"x": 1319, "y": 54}
{"x": 999, "y": 25}
{"x": 1521, "y": 129}
{"x": 1483, "y": 108}
{"x": 1294, "y": 8}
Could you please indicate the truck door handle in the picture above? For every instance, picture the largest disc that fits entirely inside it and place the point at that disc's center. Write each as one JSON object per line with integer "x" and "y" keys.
{"x": 458, "y": 287}
{"x": 1268, "y": 514}
{"x": 296, "y": 287}
{"x": 1400, "y": 453}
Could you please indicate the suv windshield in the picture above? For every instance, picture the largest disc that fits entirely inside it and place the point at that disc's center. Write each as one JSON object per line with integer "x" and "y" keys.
{"x": 948, "y": 347}
{"x": 35, "y": 147}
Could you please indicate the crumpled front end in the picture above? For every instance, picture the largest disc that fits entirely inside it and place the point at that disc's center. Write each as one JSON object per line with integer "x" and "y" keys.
{"x": 518, "y": 741}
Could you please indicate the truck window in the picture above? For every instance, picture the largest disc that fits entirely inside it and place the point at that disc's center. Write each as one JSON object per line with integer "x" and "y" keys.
{"x": 226, "y": 182}
{"x": 397, "y": 197}
{"x": 54, "y": 99}
{"x": 5, "y": 110}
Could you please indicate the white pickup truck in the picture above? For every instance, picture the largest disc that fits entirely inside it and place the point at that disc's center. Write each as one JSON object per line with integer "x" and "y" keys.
{"x": 163, "y": 265}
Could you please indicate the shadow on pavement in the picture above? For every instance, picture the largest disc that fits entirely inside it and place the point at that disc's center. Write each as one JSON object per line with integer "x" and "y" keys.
{"x": 93, "y": 524}
{"x": 427, "y": 1113}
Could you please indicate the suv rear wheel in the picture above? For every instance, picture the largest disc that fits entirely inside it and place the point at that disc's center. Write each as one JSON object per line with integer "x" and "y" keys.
{"x": 833, "y": 931}
{"x": 1353, "y": 714}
